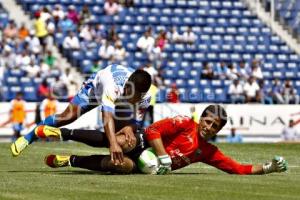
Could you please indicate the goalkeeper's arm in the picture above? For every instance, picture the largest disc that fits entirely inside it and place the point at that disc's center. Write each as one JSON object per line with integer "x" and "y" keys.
{"x": 164, "y": 159}
{"x": 278, "y": 164}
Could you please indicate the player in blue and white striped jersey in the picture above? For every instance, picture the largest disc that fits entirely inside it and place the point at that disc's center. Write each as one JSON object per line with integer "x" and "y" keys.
{"x": 114, "y": 86}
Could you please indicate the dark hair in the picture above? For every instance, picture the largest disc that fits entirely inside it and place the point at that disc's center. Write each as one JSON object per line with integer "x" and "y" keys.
{"x": 141, "y": 80}
{"x": 218, "y": 111}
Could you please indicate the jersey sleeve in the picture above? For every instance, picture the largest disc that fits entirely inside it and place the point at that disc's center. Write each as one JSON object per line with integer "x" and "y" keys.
{"x": 217, "y": 159}
{"x": 167, "y": 127}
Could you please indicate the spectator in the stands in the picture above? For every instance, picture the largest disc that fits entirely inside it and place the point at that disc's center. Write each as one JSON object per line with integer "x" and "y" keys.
{"x": 111, "y": 7}
{"x": 146, "y": 42}
{"x": 251, "y": 88}
{"x": 290, "y": 95}
{"x": 243, "y": 71}
{"x": 23, "y": 32}
{"x": 8, "y": 57}
{"x": 221, "y": 71}
{"x": 71, "y": 42}
{"x": 43, "y": 90}
{"x": 120, "y": 52}
{"x": 72, "y": 14}
{"x": 10, "y": 31}
{"x": 207, "y": 71}
{"x": 155, "y": 55}
{"x": 49, "y": 59}
{"x": 45, "y": 14}
{"x": 154, "y": 73}
{"x": 87, "y": 33}
{"x": 256, "y": 69}
{"x": 66, "y": 25}
{"x": 68, "y": 76}
{"x": 106, "y": 51}
{"x": 236, "y": 92}
{"x": 85, "y": 15}
{"x": 189, "y": 36}
{"x": 277, "y": 91}
{"x": 58, "y": 14}
{"x": 173, "y": 95}
{"x": 264, "y": 95}
{"x": 97, "y": 65}
{"x": 33, "y": 42}
{"x": 161, "y": 39}
{"x": 72, "y": 90}
{"x": 59, "y": 89}
{"x": 174, "y": 36}
{"x": 232, "y": 72}
{"x": 23, "y": 59}
{"x": 40, "y": 28}
{"x": 112, "y": 35}
{"x": 32, "y": 70}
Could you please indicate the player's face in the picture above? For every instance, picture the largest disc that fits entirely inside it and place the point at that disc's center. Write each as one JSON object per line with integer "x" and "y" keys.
{"x": 209, "y": 126}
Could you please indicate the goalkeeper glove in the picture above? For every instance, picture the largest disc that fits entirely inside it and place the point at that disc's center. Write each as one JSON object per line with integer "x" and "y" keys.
{"x": 278, "y": 164}
{"x": 165, "y": 165}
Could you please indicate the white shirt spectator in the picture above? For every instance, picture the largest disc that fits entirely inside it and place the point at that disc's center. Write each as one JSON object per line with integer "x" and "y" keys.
{"x": 32, "y": 70}
{"x": 87, "y": 33}
{"x": 111, "y": 7}
{"x": 106, "y": 51}
{"x": 119, "y": 53}
{"x": 34, "y": 43}
{"x": 71, "y": 42}
{"x": 145, "y": 43}
{"x": 289, "y": 134}
{"x": 235, "y": 89}
{"x": 257, "y": 73}
{"x": 251, "y": 89}
{"x": 151, "y": 70}
{"x": 45, "y": 16}
{"x": 58, "y": 12}
{"x": 174, "y": 35}
{"x": 189, "y": 36}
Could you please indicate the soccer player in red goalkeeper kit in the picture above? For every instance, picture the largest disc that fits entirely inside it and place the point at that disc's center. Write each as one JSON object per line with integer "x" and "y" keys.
{"x": 177, "y": 141}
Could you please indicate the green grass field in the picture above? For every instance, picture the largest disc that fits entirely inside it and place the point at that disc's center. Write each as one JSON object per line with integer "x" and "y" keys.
{"x": 26, "y": 177}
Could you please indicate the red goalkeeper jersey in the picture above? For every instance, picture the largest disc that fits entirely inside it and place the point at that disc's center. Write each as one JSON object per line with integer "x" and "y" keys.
{"x": 183, "y": 143}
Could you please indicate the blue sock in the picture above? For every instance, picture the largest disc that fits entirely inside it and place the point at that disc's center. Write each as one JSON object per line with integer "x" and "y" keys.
{"x": 50, "y": 121}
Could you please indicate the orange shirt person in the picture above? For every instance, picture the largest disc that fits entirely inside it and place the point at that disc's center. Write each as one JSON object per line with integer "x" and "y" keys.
{"x": 17, "y": 115}
{"x": 49, "y": 106}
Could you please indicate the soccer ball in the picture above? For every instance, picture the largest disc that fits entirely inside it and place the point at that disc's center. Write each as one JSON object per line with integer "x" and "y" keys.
{"x": 148, "y": 162}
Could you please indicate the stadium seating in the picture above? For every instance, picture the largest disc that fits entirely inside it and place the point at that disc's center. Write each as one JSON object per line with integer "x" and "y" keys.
{"x": 226, "y": 30}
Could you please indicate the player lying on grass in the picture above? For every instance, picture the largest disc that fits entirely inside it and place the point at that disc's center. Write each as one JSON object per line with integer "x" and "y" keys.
{"x": 177, "y": 141}
{"x": 116, "y": 84}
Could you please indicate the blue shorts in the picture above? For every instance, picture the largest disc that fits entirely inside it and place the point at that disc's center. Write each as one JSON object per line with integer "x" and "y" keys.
{"x": 18, "y": 127}
{"x": 86, "y": 98}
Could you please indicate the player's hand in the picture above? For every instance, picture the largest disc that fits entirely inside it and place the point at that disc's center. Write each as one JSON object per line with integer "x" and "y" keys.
{"x": 278, "y": 164}
{"x": 116, "y": 154}
{"x": 129, "y": 135}
{"x": 165, "y": 165}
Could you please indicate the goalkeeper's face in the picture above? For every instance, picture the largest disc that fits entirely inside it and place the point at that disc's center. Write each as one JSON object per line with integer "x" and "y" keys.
{"x": 209, "y": 126}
